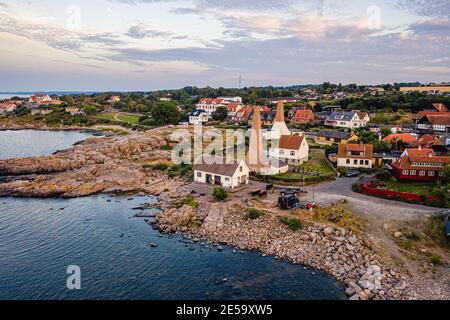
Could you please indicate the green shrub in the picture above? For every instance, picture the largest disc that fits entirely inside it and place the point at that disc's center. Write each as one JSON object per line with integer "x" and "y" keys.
{"x": 189, "y": 201}
{"x": 196, "y": 224}
{"x": 292, "y": 223}
{"x": 253, "y": 214}
{"x": 436, "y": 260}
{"x": 219, "y": 193}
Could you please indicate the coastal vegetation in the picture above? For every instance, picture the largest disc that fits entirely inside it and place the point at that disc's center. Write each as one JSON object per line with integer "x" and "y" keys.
{"x": 293, "y": 224}
{"x": 219, "y": 193}
{"x": 253, "y": 214}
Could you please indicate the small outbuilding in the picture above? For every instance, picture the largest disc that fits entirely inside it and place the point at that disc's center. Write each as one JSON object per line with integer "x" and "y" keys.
{"x": 215, "y": 171}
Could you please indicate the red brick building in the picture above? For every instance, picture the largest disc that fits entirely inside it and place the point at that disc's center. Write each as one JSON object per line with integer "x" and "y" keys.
{"x": 305, "y": 116}
{"x": 419, "y": 165}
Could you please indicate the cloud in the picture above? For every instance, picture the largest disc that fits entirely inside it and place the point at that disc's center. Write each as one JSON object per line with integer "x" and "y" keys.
{"x": 430, "y": 8}
{"x": 55, "y": 36}
{"x": 141, "y": 31}
{"x": 435, "y": 27}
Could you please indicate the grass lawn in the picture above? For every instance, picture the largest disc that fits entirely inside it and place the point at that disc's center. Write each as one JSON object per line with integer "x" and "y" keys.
{"x": 317, "y": 162}
{"x": 423, "y": 188}
{"x": 128, "y": 118}
{"x": 118, "y": 117}
{"x": 105, "y": 116}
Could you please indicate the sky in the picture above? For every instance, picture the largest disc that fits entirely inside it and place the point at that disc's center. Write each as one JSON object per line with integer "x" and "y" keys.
{"x": 142, "y": 45}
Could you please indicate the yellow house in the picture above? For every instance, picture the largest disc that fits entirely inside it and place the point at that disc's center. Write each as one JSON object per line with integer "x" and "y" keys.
{"x": 334, "y": 137}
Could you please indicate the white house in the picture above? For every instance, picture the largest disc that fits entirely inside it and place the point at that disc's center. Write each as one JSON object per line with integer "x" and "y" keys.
{"x": 355, "y": 156}
{"x": 210, "y": 105}
{"x": 40, "y": 98}
{"x": 294, "y": 150}
{"x": 213, "y": 171}
{"x": 7, "y": 107}
{"x": 113, "y": 99}
{"x": 351, "y": 120}
{"x": 228, "y": 100}
{"x": 198, "y": 117}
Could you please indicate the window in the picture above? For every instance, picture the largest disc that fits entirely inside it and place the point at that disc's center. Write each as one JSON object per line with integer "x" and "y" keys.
{"x": 422, "y": 173}
{"x": 292, "y": 153}
{"x": 348, "y": 161}
{"x": 240, "y": 169}
{"x": 282, "y": 152}
{"x": 367, "y": 162}
{"x": 199, "y": 174}
{"x": 441, "y": 174}
{"x": 431, "y": 173}
{"x": 413, "y": 172}
{"x": 227, "y": 179}
{"x": 361, "y": 162}
{"x": 355, "y": 161}
{"x": 405, "y": 172}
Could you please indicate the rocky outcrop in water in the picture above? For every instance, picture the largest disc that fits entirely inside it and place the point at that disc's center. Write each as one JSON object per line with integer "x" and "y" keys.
{"x": 109, "y": 164}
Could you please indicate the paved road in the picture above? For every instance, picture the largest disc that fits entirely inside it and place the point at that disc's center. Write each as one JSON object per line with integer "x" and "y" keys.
{"x": 375, "y": 207}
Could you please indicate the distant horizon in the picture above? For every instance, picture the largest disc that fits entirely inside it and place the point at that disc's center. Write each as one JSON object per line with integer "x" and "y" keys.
{"x": 214, "y": 87}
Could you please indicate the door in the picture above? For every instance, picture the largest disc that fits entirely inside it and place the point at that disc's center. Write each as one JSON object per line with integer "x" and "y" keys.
{"x": 218, "y": 180}
{"x": 208, "y": 178}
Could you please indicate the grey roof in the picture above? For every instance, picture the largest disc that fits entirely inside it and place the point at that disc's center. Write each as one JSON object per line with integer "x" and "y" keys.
{"x": 196, "y": 113}
{"x": 334, "y": 134}
{"x": 216, "y": 165}
{"x": 344, "y": 116}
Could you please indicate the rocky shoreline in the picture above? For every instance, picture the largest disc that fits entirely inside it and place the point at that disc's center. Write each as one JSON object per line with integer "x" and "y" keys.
{"x": 336, "y": 251}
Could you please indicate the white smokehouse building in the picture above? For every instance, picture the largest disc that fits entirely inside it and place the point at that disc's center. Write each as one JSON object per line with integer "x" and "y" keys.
{"x": 215, "y": 172}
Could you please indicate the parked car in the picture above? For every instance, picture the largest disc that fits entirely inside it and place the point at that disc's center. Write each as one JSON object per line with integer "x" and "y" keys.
{"x": 352, "y": 173}
{"x": 289, "y": 201}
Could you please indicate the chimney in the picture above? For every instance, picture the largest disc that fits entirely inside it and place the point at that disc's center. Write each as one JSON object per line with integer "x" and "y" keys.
{"x": 280, "y": 112}
{"x": 420, "y": 148}
{"x": 255, "y": 151}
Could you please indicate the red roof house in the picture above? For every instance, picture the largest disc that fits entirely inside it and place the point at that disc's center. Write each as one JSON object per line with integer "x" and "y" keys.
{"x": 419, "y": 165}
{"x": 305, "y": 116}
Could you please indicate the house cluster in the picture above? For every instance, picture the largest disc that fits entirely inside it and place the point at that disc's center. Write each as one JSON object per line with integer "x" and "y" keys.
{"x": 434, "y": 120}
{"x": 9, "y": 105}
{"x": 287, "y": 151}
{"x": 42, "y": 99}
{"x": 420, "y": 155}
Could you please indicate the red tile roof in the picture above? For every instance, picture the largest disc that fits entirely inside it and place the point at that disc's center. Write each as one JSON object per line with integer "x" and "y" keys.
{"x": 405, "y": 137}
{"x": 366, "y": 148}
{"x": 303, "y": 115}
{"x": 233, "y": 107}
{"x": 422, "y": 158}
{"x": 211, "y": 101}
{"x": 426, "y": 141}
{"x": 290, "y": 142}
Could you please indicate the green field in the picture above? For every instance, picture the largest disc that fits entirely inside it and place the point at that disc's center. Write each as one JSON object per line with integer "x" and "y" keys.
{"x": 422, "y": 188}
{"x": 118, "y": 117}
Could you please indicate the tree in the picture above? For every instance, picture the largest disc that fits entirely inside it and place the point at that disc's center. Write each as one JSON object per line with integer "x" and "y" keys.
{"x": 164, "y": 113}
{"x": 90, "y": 110}
{"x": 385, "y": 132}
{"x": 220, "y": 114}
